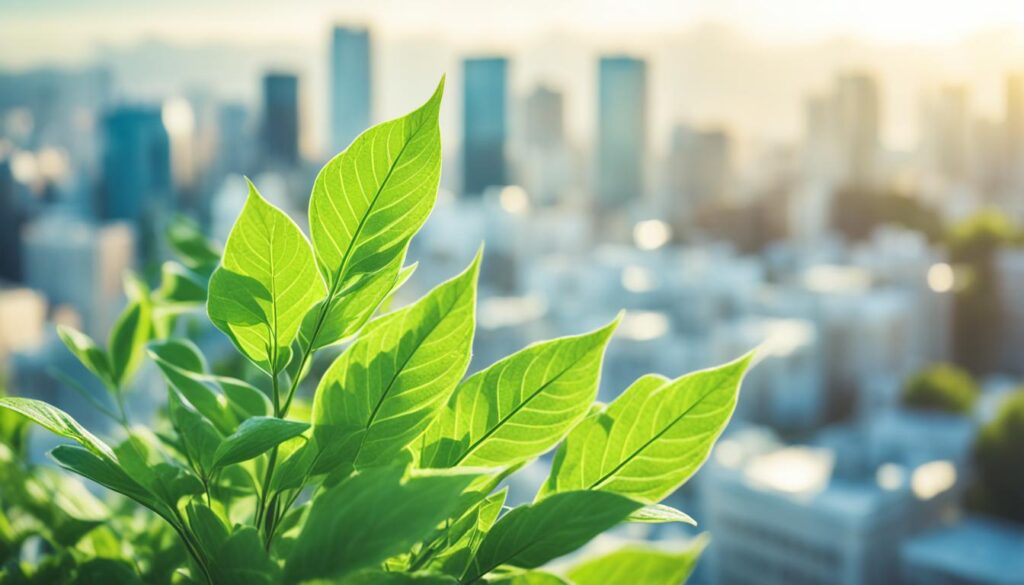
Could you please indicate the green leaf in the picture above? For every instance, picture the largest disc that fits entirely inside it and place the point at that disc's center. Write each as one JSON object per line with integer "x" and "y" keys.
{"x": 349, "y": 310}
{"x": 533, "y": 578}
{"x": 521, "y": 406}
{"x": 254, "y": 437}
{"x": 466, "y": 533}
{"x": 639, "y": 565}
{"x": 246, "y": 399}
{"x": 87, "y": 352}
{"x": 184, "y": 369}
{"x": 532, "y": 535}
{"x": 179, "y": 285}
{"x": 652, "y": 438}
{"x": 100, "y": 571}
{"x": 102, "y": 471}
{"x": 368, "y": 518}
{"x": 210, "y": 531}
{"x": 128, "y": 341}
{"x": 369, "y": 201}
{"x": 198, "y": 435}
{"x": 384, "y": 390}
{"x": 58, "y": 422}
{"x": 661, "y": 514}
{"x": 242, "y": 560}
{"x": 191, "y": 245}
{"x": 266, "y": 283}
{"x": 376, "y": 577}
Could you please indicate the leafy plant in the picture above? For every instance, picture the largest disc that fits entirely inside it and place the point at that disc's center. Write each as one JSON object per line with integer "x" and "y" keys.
{"x": 394, "y": 473}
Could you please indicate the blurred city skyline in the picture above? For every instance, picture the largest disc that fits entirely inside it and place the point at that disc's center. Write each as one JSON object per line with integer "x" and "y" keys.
{"x": 745, "y": 70}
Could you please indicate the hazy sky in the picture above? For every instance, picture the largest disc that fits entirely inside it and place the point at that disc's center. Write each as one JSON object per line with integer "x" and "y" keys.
{"x": 745, "y": 65}
{"x": 30, "y": 29}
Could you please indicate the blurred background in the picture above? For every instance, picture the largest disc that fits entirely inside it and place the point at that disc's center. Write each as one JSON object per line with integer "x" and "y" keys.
{"x": 841, "y": 183}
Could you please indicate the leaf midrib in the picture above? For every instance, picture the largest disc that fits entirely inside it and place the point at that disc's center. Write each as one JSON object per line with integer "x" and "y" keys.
{"x": 398, "y": 371}
{"x": 514, "y": 411}
{"x": 649, "y": 442}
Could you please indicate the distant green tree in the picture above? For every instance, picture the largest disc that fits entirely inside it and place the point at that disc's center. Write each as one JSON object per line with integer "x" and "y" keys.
{"x": 942, "y": 387}
{"x": 999, "y": 461}
{"x": 978, "y": 308}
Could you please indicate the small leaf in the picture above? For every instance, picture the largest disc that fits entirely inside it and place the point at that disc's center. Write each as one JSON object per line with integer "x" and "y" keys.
{"x": 661, "y": 514}
{"x": 368, "y": 201}
{"x": 266, "y": 283}
{"x": 639, "y": 565}
{"x": 368, "y": 518}
{"x": 652, "y": 438}
{"x": 254, "y": 437}
{"x": 348, "y": 310}
{"x": 58, "y": 422}
{"x": 102, "y": 471}
{"x": 128, "y": 341}
{"x": 210, "y": 531}
{"x": 521, "y": 406}
{"x": 383, "y": 391}
{"x": 197, "y": 252}
{"x": 532, "y": 535}
{"x": 198, "y": 436}
{"x": 87, "y": 352}
{"x": 183, "y": 368}
{"x": 242, "y": 560}
{"x": 179, "y": 285}
{"x": 246, "y": 399}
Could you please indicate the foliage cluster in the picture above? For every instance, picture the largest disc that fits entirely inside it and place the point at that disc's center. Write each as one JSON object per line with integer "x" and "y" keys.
{"x": 393, "y": 472}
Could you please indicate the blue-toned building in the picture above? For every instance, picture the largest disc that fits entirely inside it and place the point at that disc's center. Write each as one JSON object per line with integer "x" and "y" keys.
{"x": 350, "y": 85}
{"x": 621, "y": 130}
{"x": 136, "y": 163}
{"x": 280, "y": 127}
{"x": 484, "y": 123}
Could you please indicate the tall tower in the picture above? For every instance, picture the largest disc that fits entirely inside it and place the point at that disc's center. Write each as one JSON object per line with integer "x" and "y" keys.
{"x": 484, "y": 123}
{"x": 622, "y": 130}
{"x": 280, "y": 128}
{"x": 136, "y": 163}
{"x": 350, "y": 85}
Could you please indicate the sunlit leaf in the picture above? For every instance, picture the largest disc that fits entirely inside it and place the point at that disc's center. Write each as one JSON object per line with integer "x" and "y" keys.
{"x": 532, "y": 535}
{"x": 521, "y": 406}
{"x": 369, "y": 517}
{"x": 266, "y": 283}
{"x": 58, "y": 422}
{"x": 91, "y": 355}
{"x": 384, "y": 390}
{"x": 638, "y": 565}
{"x": 256, "y": 436}
{"x": 652, "y": 438}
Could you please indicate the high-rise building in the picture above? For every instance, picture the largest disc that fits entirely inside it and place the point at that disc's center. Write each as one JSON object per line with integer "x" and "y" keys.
{"x": 10, "y": 224}
{"x": 234, "y": 151}
{"x": 136, "y": 163}
{"x": 350, "y": 85}
{"x": 484, "y": 123}
{"x": 699, "y": 170}
{"x": 546, "y": 169}
{"x": 945, "y": 132}
{"x": 75, "y": 263}
{"x": 280, "y": 126}
{"x": 858, "y": 126}
{"x": 1015, "y": 127}
{"x": 621, "y": 129}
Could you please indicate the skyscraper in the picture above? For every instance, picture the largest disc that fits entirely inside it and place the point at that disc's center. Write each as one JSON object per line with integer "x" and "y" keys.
{"x": 136, "y": 163}
{"x": 622, "y": 130}
{"x": 350, "y": 85}
{"x": 484, "y": 123}
{"x": 546, "y": 169}
{"x": 858, "y": 126}
{"x": 10, "y": 225}
{"x": 280, "y": 119}
{"x": 700, "y": 171}
{"x": 1015, "y": 128}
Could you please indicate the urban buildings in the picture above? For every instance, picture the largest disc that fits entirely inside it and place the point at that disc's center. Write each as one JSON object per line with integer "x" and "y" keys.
{"x": 621, "y": 132}
{"x": 136, "y": 164}
{"x": 484, "y": 124}
{"x": 280, "y": 121}
{"x": 351, "y": 85}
